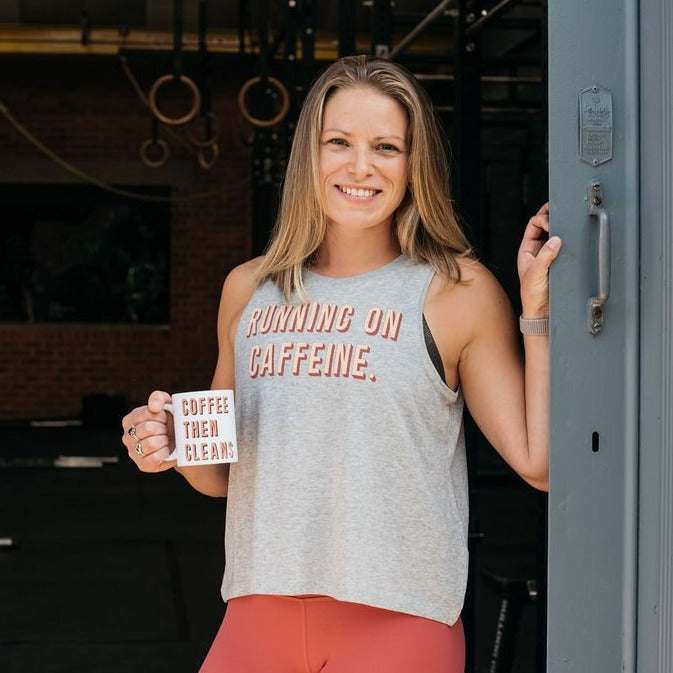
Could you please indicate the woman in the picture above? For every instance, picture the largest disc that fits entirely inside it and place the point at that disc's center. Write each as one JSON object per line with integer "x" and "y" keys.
{"x": 352, "y": 346}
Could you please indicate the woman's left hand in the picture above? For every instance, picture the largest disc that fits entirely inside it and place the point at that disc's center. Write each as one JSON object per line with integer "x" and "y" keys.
{"x": 536, "y": 253}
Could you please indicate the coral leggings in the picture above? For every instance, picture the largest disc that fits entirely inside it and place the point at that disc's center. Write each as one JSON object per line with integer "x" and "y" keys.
{"x": 284, "y": 634}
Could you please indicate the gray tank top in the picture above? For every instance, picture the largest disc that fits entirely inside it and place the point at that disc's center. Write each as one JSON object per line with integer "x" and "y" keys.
{"x": 351, "y": 480}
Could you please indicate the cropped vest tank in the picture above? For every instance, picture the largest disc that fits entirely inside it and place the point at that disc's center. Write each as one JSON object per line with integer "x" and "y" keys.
{"x": 351, "y": 480}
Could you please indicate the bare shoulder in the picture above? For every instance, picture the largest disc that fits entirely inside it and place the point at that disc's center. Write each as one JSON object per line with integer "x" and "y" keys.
{"x": 480, "y": 283}
{"x": 240, "y": 284}
{"x": 243, "y": 275}
{"x": 485, "y": 304}
{"x": 460, "y": 313}
{"x": 478, "y": 286}
{"x": 238, "y": 288}
{"x": 473, "y": 305}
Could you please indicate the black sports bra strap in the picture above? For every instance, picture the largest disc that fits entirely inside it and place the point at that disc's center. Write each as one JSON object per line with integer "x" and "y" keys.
{"x": 433, "y": 351}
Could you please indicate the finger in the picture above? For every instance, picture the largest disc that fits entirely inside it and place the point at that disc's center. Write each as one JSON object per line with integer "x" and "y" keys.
{"x": 156, "y": 401}
{"x": 149, "y": 445}
{"x": 151, "y": 428}
{"x": 142, "y": 430}
{"x": 528, "y": 251}
{"x": 160, "y": 462}
{"x": 156, "y": 461}
{"x": 133, "y": 419}
{"x": 533, "y": 239}
{"x": 531, "y": 246}
{"x": 129, "y": 420}
{"x": 535, "y": 279}
{"x": 538, "y": 223}
{"x": 155, "y": 435}
{"x": 537, "y": 227}
{"x": 547, "y": 254}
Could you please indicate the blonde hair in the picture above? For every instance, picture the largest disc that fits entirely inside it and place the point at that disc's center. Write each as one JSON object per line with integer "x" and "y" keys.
{"x": 425, "y": 222}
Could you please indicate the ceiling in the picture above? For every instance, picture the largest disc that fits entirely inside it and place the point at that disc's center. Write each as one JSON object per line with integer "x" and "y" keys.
{"x": 106, "y": 26}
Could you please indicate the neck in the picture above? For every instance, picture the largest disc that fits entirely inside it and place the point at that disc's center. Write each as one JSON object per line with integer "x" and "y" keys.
{"x": 349, "y": 255}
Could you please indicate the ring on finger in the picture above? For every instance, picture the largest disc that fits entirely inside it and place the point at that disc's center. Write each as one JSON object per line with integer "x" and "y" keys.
{"x": 132, "y": 431}
{"x": 139, "y": 449}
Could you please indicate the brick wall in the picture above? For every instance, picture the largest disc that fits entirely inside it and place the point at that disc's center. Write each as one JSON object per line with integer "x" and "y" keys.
{"x": 86, "y": 111}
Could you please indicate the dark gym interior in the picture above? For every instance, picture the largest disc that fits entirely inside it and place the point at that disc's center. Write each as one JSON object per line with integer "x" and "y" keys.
{"x": 127, "y": 196}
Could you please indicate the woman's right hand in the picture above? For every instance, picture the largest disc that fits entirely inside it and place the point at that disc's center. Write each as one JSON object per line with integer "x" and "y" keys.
{"x": 148, "y": 434}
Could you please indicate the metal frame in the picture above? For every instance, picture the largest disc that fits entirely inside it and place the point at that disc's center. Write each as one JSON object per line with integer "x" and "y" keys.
{"x": 655, "y": 529}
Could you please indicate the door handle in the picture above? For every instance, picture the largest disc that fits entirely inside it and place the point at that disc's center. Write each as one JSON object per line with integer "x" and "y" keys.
{"x": 596, "y": 303}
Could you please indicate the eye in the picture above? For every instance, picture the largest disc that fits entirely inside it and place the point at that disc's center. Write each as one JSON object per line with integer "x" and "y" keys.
{"x": 337, "y": 142}
{"x": 387, "y": 147}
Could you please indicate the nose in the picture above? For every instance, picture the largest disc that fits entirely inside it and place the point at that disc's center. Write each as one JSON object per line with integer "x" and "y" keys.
{"x": 361, "y": 162}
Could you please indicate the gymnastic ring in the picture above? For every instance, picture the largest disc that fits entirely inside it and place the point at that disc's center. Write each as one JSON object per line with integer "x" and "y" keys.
{"x": 215, "y": 133}
{"x": 285, "y": 101}
{"x": 177, "y": 121}
{"x": 208, "y": 163}
{"x": 154, "y": 163}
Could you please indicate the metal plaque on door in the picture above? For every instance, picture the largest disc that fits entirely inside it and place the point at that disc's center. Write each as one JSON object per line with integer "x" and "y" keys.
{"x": 595, "y": 127}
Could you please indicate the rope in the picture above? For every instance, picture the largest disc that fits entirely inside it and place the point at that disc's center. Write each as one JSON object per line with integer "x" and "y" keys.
{"x": 87, "y": 177}
{"x": 178, "y": 29}
{"x": 211, "y": 124}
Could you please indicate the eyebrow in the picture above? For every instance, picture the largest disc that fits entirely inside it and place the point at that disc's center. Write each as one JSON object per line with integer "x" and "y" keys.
{"x": 346, "y": 133}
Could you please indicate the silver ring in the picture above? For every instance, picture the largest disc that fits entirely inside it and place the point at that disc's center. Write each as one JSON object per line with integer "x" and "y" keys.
{"x": 139, "y": 449}
{"x": 132, "y": 431}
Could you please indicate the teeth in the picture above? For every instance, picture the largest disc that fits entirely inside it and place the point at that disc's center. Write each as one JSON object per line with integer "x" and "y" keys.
{"x": 357, "y": 192}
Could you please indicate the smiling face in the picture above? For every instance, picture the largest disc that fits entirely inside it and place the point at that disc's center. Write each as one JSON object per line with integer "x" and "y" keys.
{"x": 363, "y": 158}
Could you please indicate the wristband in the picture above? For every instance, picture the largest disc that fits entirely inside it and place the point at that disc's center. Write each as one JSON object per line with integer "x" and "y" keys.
{"x": 534, "y": 326}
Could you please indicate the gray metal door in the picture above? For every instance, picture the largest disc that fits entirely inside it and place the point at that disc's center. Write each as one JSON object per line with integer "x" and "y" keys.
{"x": 594, "y": 201}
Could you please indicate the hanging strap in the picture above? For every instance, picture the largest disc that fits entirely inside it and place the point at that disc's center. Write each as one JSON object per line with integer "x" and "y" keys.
{"x": 178, "y": 29}
{"x": 177, "y": 76}
{"x": 204, "y": 60}
{"x": 263, "y": 32}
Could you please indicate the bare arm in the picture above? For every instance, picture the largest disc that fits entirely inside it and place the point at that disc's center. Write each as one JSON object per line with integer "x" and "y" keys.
{"x": 507, "y": 395}
{"x": 536, "y": 255}
{"x": 153, "y": 425}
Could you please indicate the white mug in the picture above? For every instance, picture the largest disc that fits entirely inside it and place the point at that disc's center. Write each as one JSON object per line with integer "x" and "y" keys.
{"x": 205, "y": 427}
